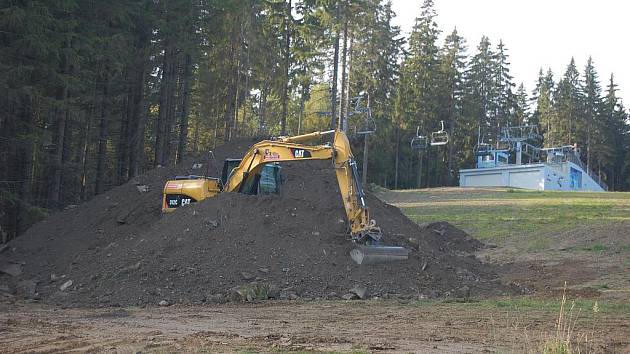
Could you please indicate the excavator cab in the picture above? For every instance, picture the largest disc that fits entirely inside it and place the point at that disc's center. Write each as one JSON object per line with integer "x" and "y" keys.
{"x": 267, "y": 182}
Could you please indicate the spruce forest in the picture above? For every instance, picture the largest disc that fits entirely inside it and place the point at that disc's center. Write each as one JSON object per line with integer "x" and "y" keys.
{"x": 93, "y": 93}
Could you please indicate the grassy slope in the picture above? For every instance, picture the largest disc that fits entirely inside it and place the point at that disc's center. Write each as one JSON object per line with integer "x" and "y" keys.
{"x": 496, "y": 215}
{"x": 542, "y": 227}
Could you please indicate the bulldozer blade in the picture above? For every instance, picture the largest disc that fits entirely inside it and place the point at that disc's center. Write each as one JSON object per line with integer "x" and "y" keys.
{"x": 363, "y": 254}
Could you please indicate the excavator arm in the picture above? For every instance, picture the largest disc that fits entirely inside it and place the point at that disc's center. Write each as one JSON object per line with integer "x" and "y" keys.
{"x": 363, "y": 229}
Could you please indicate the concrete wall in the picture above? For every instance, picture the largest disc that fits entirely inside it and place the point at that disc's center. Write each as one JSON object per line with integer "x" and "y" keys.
{"x": 558, "y": 178}
{"x": 536, "y": 176}
{"x": 522, "y": 176}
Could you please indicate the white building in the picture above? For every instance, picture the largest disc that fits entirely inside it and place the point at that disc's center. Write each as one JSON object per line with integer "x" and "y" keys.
{"x": 565, "y": 176}
{"x": 557, "y": 168}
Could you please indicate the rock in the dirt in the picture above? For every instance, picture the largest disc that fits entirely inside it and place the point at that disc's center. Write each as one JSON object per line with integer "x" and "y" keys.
{"x": 360, "y": 291}
{"x": 463, "y": 292}
{"x": 248, "y": 276}
{"x": 65, "y": 285}
{"x": 332, "y": 295}
{"x": 11, "y": 269}
{"x": 440, "y": 232}
{"x": 273, "y": 292}
{"x": 216, "y": 299}
{"x": 28, "y": 288}
{"x": 163, "y": 303}
{"x": 349, "y": 296}
{"x": 5, "y": 289}
{"x": 59, "y": 297}
{"x": 143, "y": 188}
{"x": 134, "y": 266}
{"x": 263, "y": 270}
{"x": 424, "y": 225}
{"x": 211, "y": 224}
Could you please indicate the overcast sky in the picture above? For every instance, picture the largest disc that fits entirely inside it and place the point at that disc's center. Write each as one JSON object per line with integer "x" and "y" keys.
{"x": 540, "y": 33}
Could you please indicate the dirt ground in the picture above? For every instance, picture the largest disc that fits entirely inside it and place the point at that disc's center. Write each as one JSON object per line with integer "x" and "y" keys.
{"x": 592, "y": 260}
{"x": 603, "y": 274}
{"x": 358, "y": 326}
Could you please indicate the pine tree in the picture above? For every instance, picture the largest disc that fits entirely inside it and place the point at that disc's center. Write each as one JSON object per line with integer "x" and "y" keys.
{"x": 567, "y": 105}
{"x": 591, "y": 125}
{"x": 543, "y": 98}
{"x": 481, "y": 91}
{"x": 420, "y": 70}
{"x": 521, "y": 114}
{"x": 505, "y": 100}
{"x": 452, "y": 70}
{"x": 614, "y": 120}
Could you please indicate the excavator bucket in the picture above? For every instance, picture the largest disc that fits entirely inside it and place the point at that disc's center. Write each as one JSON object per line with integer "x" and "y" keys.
{"x": 363, "y": 254}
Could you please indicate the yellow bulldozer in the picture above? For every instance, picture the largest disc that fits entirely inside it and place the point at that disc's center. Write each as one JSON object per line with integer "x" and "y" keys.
{"x": 244, "y": 176}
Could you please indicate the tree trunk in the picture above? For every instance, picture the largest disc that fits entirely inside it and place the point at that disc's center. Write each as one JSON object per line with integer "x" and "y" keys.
{"x": 396, "y": 163}
{"x": 588, "y": 148}
{"x": 245, "y": 96}
{"x": 346, "y": 108}
{"x": 228, "y": 116}
{"x": 365, "y": 159}
{"x": 196, "y": 137}
{"x": 86, "y": 150}
{"x": 261, "y": 112}
{"x": 58, "y": 157}
{"x": 302, "y": 104}
{"x": 183, "y": 123}
{"x": 27, "y": 153}
{"x": 175, "y": 88}
{"x": 420, "y": 158}
{"x": 101, "y": 157}
{"x": 161, "y": 138}
{"x": 122, "y": 153}
{"x": 287, "y": 63}
{"x": 139, "y": 119}
{"x": 333, "y": 96}
{"x": 237, "y": 92}
{"x": 451, "y": 128}
{"x": 344, "y": 55}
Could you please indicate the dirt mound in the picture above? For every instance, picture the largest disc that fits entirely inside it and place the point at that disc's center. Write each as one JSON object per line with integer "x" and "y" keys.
{"x": 118, "y": 249}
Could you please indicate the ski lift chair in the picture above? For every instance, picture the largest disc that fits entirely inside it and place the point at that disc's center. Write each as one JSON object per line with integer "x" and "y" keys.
{"x": 482, "y": 149}
{"x": 439, "y": 137}
{"x": 418, "y": 142}
{"x": 367, "y": 126}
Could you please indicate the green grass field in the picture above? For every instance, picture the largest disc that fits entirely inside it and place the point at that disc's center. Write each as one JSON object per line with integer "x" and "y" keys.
{"x": 496, "y": 214}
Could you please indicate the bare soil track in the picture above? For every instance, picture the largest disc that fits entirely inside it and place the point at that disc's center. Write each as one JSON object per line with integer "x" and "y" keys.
{"x": 363, "y": 326}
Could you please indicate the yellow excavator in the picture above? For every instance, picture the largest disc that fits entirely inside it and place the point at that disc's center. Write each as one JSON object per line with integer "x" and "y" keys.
{"x": 246, "y": 177}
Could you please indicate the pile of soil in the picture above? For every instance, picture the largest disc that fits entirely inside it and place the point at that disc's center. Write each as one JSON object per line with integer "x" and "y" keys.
{"x": 118, "y": 249}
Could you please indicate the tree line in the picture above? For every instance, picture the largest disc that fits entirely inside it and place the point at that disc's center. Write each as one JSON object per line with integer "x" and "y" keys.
{"x": 95, "y": 93}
